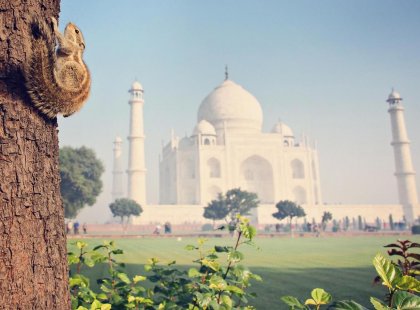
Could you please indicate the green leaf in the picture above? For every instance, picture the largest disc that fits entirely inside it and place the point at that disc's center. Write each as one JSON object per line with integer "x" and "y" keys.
{"x": 72, "y": 259}
{"x": 378, "y": 305}
{"x": 320, "y": 296}
{"x": 123, "y": 277}
{"x": 211, "y": 264}
{"x": 220, "y": 249}
{"x": 102, "y": 296}
{"x": 80, "y": 244}
{"x": 117, "y": 251}
{"x": 387, "y": 271}
{"x": 407, "y": 283}
{"x": 217, "y": 283}
{"x": 347, "y": 305}
{"x": 248, "y": 231}
{"x": 139, "y": 278}
{"x": 235, "y": 289}
{"x": 79, "y": 280}
{"x": 235, "y": 256}
{"x": 227, "y": 301}
{"x": 98, "y": 247}
{"x": 96, "y": 305}
{"x": 106, "y": 307}
{"x": 293, "y": 302}
{"x": 193, "y": 273}
{"x": 190, "y": 247}
{"x": 406, "y": 301}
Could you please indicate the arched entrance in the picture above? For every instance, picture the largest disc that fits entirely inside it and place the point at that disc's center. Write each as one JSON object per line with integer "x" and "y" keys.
{"x": 256, "y": 175}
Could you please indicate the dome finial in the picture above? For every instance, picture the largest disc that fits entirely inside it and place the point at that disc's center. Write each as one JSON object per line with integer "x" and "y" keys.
{"x": 226, "y": 73}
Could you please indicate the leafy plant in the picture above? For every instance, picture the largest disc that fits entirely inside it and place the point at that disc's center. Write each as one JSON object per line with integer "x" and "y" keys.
{"x": 218, "y": 282}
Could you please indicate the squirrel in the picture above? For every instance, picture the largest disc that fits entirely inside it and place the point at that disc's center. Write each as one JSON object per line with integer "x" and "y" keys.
{"x": 56, "y": 77}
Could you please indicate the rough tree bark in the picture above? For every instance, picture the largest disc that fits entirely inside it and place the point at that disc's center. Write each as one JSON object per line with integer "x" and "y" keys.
{"x": 33, "y": 268}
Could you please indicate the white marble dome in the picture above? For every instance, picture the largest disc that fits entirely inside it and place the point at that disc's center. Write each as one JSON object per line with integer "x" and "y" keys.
{"x": 204, "y": 128}
{"x": 232, "y": 105}
{"x": 283, "y": 129}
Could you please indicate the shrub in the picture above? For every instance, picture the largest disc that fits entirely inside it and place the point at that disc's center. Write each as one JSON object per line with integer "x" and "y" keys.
{"x": 212, "y": 285}
{"x": 415, "y": 229}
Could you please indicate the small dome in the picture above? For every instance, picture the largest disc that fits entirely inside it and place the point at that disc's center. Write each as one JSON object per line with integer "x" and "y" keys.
{"x": 394, "y": 96}
{"x": 118, "y": 139}
{"x": 204, "y": 128}
{"x": 185, "y": 143}
{"x": 136, "y": 86}
{"x": 283, "y": 129}
{"x": 231, "y": 105}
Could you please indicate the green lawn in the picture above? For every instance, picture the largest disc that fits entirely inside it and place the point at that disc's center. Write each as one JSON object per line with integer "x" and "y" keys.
{"x": 288, "y": 266}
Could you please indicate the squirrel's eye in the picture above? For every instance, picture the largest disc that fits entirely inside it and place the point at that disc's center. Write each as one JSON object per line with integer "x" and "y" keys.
{"x": 77, "y": 31}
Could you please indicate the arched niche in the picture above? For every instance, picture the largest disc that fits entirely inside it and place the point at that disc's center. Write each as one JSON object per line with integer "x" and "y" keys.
{"x": 213, "y": 165}
{"x": 298, "y": 170}
{"x": 256, "y": 175}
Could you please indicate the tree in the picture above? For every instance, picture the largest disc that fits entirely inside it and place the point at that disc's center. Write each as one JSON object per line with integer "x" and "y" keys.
{"x": 124, "y": 208}
{"x": 81, "y": 183}
{"x": 288, "y": 209}
{"x": 216, "y": 209}
{"x": 326, "y": 217}
{"x": 33, "y": 259}
{"x": 240, "y": 202}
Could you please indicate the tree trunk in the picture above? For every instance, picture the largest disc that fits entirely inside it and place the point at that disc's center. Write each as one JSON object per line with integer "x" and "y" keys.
{"x": 33, "y": 266}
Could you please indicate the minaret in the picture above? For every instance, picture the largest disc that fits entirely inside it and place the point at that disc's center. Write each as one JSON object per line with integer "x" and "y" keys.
{"x": 404, "y": 171}
{"x": 117, "y": 172}
{"x": 136, "y": 163}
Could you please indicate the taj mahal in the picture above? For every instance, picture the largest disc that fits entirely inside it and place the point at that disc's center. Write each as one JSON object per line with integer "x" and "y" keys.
{"x": 227, "y": 149}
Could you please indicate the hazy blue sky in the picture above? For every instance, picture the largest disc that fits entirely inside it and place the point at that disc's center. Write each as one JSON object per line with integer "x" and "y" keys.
{"x": 324, "y": 67}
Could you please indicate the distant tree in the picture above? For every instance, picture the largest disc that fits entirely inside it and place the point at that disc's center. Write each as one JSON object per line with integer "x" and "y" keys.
{"x": 216, "y": 210}
{"x": 239, "y": 202}
{"x": 326, "y": 217}
{"x": 125, "y": 208}
{"x": 81, "y": 182}
{"x": 288, "y": 209}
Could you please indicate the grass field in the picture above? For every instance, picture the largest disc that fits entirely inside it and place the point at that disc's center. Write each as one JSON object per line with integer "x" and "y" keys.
{"x": 288, "y": 266}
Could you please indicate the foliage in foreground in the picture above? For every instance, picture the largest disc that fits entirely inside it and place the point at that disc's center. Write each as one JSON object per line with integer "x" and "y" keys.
{"x": 218, "y": 282}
